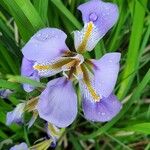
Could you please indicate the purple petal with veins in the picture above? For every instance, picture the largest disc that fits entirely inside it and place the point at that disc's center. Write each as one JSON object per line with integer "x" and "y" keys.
{"x": 58, "y": 103}
{"x": 105, "y": 73}
{"x": 15, "y": 116}
{"x": 28, "y": 71}
{"x": 103, "y": 14}
{"x": 101, "y": 111}
{"x": 45, "y": 45}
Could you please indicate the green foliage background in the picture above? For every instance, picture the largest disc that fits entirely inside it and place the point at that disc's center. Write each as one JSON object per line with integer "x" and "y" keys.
{"x": 20, "y": 19}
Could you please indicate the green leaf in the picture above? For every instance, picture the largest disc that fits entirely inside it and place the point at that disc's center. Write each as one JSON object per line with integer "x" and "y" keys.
{"x": 132, "y": 60}
{"x": 10, "y": 61}
{"x": 25, "y": 15}
{"x": 42, "y": 7}
{"x": 21, "y": 79}
{"x": 116, "y": 37}
{"x": 141, "y": 127}
{"x": 67, "y": 13}
{"x": 9, "y": 85}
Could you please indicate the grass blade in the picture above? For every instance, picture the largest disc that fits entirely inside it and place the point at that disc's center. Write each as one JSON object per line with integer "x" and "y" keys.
{"x": 132, "y": 60}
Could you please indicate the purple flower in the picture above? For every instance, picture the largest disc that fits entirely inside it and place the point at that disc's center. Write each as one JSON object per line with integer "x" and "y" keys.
{"x": 5, "y": 93}
{"x": 103, "y": 15}
{"x": 45, "y": 45}
{"x": 96, "y": 78}
{"x": 28, "y": 71}
{"x": 58, "y": 103}
{"x": 22, "y": 146}
{"x": 16, "y": 115}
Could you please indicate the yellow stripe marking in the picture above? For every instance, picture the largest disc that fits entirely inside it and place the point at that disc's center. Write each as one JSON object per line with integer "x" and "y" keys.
{"x": 86, "y": 80}
{"x": 70, "y": 64}
{"x": 42, "y": 67}
{"x": 56, "y": 65}
{"x": 88, "y": 32}
{"x": 53, "y": 131}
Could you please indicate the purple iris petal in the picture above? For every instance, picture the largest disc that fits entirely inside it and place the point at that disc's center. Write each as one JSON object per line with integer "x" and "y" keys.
{"x": 22, "y": 146}
{"x": 103, "y": 15}
{"x": 28, "y": 71}
{"x": 101, "y": 111}
{"x": 106, "y": 73}
{"x": 16, "y": 115}
{"x": 45, "y": 45}
{"x": 104, "y": 76}
{"x": 58, "y": 103}
{"x": 5, "y": 93}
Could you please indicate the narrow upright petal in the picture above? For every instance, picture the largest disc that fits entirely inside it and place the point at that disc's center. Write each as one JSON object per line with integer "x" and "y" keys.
{"x": 58, "y": 103}
{"x": 101, "y": 111}
{"x": 22, "y": 146}
{"x": 103, "y": 14}
{"x": 16, "y": 115}
{"x": 45, "y": 45}
{"x": 28, "y": 71}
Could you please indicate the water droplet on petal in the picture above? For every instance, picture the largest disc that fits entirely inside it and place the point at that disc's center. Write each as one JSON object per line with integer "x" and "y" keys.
{"x": 108, "y": 118}
{"x": 113, "y": 103}
{"x": 43, "y": 36}
{"x": 110, "y": 61}
{"x": 93, "y": 17}
{"x": 102, "y": 113}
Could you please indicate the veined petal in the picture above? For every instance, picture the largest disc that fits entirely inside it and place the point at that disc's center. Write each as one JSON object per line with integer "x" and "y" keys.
{"x": 28, "y": 71}
{"x": 15, "y": 116}
{"x": 87, "y": 38}
{"x": 103, "y": 14}
{"x": 5, "y": 93}
{"x": 46, "y": 44}
{"x": 105, "y": 73}
{"x": 46, "y": 69}
{"x": 21, "y": 146}
{"x": 101, "y": 81}
{"x": 58, "y": 103}
{"x": 27, "y": 67}
{"x": 101, "y": 111}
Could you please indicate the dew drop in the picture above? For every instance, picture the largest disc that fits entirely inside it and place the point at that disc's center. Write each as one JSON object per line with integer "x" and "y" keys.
{"x": 108, "y": 118}
{"x": 110, "y": 61}
{"x": 42, "y": 36}
{"x": 93, "y": 17}
{"x": 113, "y": 103}
{"x": 102, "y": 113}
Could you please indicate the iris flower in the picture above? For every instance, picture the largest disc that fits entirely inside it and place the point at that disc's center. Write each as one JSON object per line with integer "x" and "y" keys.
{"x": 48, "y": 55}
{"x": 15, "y": 116}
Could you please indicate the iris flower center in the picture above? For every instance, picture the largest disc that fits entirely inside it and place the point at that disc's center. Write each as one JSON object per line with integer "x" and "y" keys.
{"x": 74, "y": 66}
